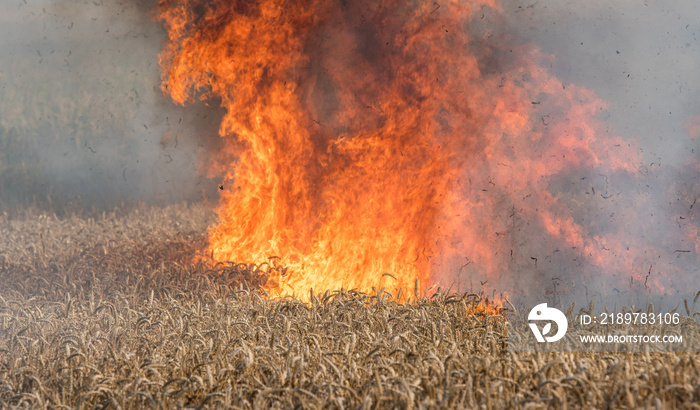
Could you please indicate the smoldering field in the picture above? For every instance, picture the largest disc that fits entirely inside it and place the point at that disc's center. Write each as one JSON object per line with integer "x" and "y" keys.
{"x": 109, "y": 311}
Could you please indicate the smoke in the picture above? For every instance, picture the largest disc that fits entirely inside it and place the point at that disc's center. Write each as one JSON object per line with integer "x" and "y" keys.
{"x": 85, "y": 119}
{"x": 640, "y": 57}
{"x": 559, "y": 205}
{"x": 83, "y": 114}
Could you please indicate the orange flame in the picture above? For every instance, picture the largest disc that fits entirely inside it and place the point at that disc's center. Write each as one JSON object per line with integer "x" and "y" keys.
{"x": 375, "y": 142}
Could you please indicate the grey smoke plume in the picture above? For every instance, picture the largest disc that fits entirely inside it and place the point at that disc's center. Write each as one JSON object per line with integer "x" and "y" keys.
{"x": 641, "y": 57}
{"x": 81, "y": 104}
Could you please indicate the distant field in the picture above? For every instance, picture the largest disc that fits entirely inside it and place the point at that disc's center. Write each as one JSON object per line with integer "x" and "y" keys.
{"x": 108, "y": 311}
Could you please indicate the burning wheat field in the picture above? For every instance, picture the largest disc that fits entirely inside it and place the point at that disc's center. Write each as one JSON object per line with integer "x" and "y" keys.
{"x": 110, "y": 312}
{"x": 332, "y": 204}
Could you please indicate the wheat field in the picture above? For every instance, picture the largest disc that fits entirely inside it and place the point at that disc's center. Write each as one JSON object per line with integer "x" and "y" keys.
{"x": 109, "y": 311}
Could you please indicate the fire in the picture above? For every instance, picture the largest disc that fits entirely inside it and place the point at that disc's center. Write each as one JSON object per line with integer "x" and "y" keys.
{"x": 693, "y": 126}
{"x": 373, "y": 144}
